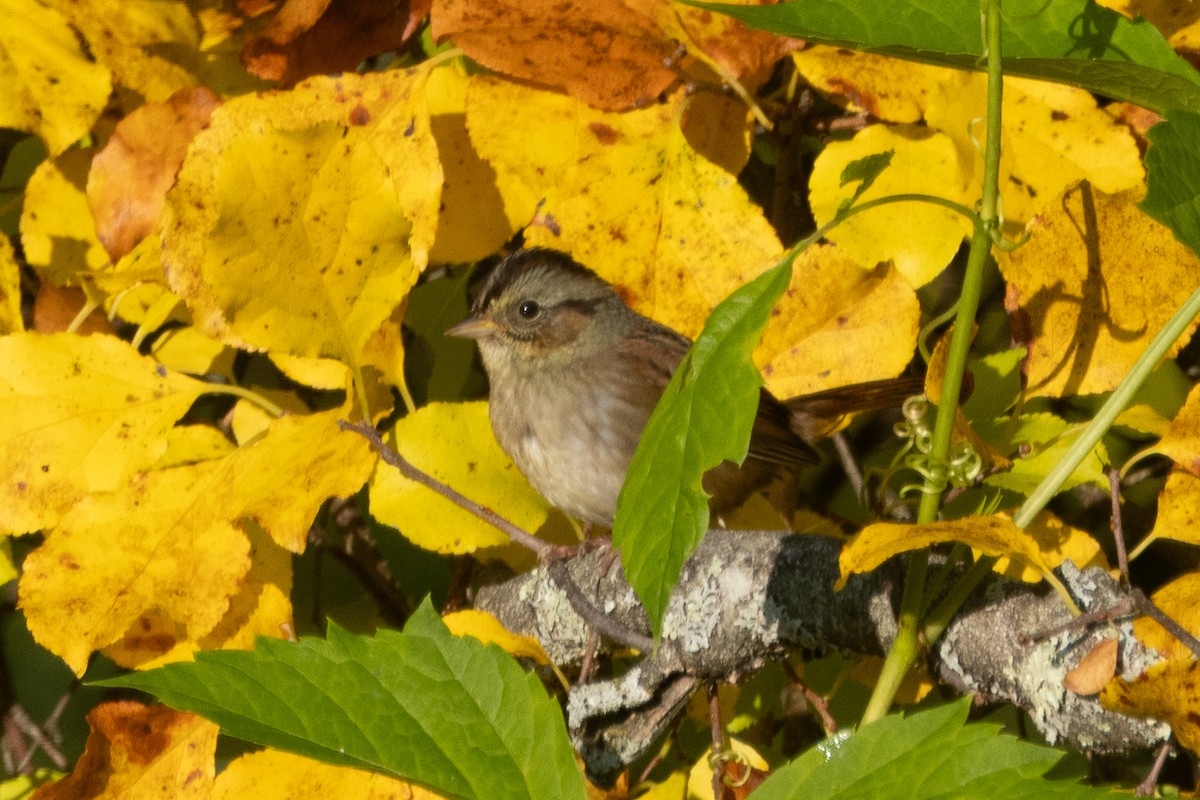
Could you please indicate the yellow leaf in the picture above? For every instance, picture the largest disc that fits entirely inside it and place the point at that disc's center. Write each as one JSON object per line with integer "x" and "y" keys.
{"x": 115, "y": 556}
{"x": 486, "y": 628}
{"x": 1178, "y": 601}
{"x": 919, "y": 238}
{"x": 174, "y": 540}
{"x": 1181, "y": 443}
{"x": 992, "y": 536}
{"x": 82, "y": 414}
{"x": 57, "y": 231}
{"x": 8, "y": 569}
{"x": 275, "y": 775}
{"x": 51, "y": 87}
{"x": 453, "y": 442}
{"x": 838, "y": 324}
{"x": 1178, "y": 509}
{"x": 143, "y": 752}
{"x": 319, "y": 373}
{"x": 473, "y": 223}
{"x": 191, "y": 444}
{"x": 1082, "y": 287}
{"x": 151, "y": 46}
{"x": 625, "y": 194}
{"x": 261, "y": 607}
{"x": 1175, "y": 19}
{"x": 673, "y": 787}
{"x": 188, "y": 350}
{"x": 1054, "y": 136}
{"x": 11, "y": 320}
{"x": 1169, "y": 691}
{"x": 346, "y": 187}
{"x": 1056, "y": 541}
{"x": 890, "y": 89}
{"x": 914, "y": 686}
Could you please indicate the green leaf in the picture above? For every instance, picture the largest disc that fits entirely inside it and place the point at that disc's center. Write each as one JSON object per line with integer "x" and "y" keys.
{"x": 1068, "y": 41}
{"x": 1049, "y": 437}
{"x": 1173, "y": 175}
{"x": 929, "y": 755}
{"x": 865, "y": 170}
{"x": 704, "y": 417}
{"x": 424, "y": 705}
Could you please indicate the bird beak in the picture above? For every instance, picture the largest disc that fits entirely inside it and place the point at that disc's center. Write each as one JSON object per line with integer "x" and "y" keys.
{"x": 474, "y": 327}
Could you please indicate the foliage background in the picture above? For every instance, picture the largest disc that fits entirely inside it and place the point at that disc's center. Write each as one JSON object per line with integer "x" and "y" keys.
{"x": 229, "y": 226}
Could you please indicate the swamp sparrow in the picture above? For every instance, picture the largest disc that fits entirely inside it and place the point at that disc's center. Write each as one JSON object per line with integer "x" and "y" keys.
{"x": 575, "y": 374}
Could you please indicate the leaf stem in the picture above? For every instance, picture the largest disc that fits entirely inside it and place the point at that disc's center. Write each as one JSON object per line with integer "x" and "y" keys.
{"x": 904, "y": 650}
{"x": 247, "y": 394}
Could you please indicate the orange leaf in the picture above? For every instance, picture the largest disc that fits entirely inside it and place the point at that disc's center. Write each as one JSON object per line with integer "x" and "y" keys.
{"x": 129, "y": 178}
{"x": 1094, "y": 670}
{"x": 141, "y": 751}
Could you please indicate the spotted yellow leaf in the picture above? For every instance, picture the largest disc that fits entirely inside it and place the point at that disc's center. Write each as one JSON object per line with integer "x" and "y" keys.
{"x": 51, "y": 87}
{"x": 626, "y": 194}
{"x": 1178, "y": 601}
{"x": 339, "y": 220}
{"x": 82, "y": 415}
{"x": 1082, "y": 287}
{"x": 1169, "y": 691}
{"x": 275, "y": 775}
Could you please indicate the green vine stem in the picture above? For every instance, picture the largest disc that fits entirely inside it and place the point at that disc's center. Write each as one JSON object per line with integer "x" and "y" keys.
{"x": 906, "y": 647}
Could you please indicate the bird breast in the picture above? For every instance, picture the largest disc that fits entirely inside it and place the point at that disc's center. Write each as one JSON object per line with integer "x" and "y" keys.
{"x": 573, "y": 441}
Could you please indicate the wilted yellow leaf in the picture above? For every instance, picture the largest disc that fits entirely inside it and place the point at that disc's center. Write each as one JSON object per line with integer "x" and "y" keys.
{"x": 453, "y": 442}
{"x": 11, "y": 320}
{"x": 137, "y": 751}
{"x": 1056, "y": 541}
{"x": 151, "y": 46}
{"x": 473, "y": 223}
{"x": 261, "y": 607}
{"x": 1178, "y": 509}
{"x": 1169, "y": 691}
{"x": 338, "y": 222}
{"x": 275, "y": 775}
{"x": 890, "y": 89}
{"x": 56, "y": 225}
{"x": 1178, "y": 601}
{"x": 82, "y": 414}
{"x": 1054, "y": 136}
{"x": 1175, "y": 19}
{"x": 992, "y": 536}
{"x": 51, "y": 87}
{"x": 838, "y": 324}
{"x": 1096, "y": 281}
{"x": 128, "y": 181}
{"x": 625, "y": 194}
{"x": 1181, "y": 443}
{"x": 919, "y": 238}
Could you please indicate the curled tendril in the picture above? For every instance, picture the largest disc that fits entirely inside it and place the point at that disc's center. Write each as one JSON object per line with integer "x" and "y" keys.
{"x": 962, "y": 468}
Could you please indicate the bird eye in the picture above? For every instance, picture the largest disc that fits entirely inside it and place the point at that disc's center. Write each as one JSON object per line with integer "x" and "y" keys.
{"x": 529, "y": 309}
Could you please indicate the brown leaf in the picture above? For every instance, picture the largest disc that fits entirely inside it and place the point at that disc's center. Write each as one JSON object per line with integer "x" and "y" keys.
{"x": 55, "y": 308}
{"x": 141, "y": 751}
{"x": 318, "y": 37}
{"x": 1094, "y": 670}
{"x": 128, "y": 182}
{"x": 611, "y": 54}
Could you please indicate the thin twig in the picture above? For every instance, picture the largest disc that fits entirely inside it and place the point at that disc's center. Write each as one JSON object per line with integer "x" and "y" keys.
{"x": 39, "y": 738}
{"x": 1118, "y": 527}
{"x": 589, "y": 657}
{"x": 849, "y": 463}
{"x": 544, "y": 550}
{"x": 1144, "y": 605}
{"x": 1150, "y": 783}
{"x": 717, "y": 760}
{"x": 818, "y": 703}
